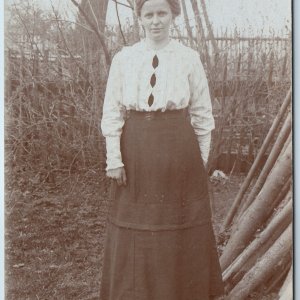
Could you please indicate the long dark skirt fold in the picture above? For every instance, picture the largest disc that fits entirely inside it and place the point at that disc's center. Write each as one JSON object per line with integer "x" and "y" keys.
{"x": 160, "y": 243}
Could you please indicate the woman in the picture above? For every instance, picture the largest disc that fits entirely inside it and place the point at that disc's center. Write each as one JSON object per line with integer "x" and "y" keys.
{"x": 157, "y": 120}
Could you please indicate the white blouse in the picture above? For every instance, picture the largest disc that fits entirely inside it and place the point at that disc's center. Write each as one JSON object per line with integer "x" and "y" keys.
{"x": 180, "y": 82}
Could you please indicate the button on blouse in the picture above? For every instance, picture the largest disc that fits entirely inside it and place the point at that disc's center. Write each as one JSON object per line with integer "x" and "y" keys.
{"x": 180, "y": 83}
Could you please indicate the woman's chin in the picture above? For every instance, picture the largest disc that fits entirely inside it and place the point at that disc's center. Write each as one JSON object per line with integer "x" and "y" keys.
{"x": 158, "y": 37}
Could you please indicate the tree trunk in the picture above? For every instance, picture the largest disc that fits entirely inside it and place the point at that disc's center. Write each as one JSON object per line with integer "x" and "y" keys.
{"x": 86, "y": 13}
{"x": 277, "y": 255}
{"x": 258, "y": 210}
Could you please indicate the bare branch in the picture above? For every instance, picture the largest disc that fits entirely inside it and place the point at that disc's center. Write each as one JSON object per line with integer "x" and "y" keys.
{"x": 120, "y": 26}
{"x": 123, "y": 4}
{"x": 67, "y": 47}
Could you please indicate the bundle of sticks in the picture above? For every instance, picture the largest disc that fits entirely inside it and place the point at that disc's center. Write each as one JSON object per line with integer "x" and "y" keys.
{"x": 258, "y": 252}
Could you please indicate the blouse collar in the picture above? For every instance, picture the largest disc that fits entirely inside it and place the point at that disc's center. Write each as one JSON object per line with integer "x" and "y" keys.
{"x": 170, "y": 47}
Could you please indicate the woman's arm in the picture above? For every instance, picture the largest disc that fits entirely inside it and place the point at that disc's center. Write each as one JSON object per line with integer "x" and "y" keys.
{"x": 200, "y": 108}
{"x": 113, "y": 115}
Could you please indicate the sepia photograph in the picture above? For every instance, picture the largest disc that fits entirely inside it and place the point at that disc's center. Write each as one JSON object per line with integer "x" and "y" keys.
{"x": 148, "y": 150}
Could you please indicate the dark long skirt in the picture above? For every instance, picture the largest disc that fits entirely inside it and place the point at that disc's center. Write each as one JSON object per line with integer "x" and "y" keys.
{"x": 160, "y": 243}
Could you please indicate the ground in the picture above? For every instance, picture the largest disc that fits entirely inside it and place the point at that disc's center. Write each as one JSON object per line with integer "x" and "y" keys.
{"x": 55, "y": 232}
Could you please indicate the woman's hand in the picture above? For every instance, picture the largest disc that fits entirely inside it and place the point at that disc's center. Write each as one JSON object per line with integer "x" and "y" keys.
{"x": 118, "y": 174}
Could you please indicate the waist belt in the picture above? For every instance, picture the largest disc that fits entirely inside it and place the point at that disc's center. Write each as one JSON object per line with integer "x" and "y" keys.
{"x": 158, "y": 114}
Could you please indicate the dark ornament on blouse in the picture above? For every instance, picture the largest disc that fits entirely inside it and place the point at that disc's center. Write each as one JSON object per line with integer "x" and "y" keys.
{"x": 153, "y": 79}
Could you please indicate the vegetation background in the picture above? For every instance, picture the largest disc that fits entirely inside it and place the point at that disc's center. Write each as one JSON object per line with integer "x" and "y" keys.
{"x": 55, "y": 75}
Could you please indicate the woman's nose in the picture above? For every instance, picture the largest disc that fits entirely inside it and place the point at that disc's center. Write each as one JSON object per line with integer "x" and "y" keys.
{"x": 155, "y": 19}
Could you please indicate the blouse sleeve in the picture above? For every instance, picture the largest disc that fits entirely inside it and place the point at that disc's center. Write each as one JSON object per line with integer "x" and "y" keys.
{"x": 200, "y": 108}
{"x": 113, "y": 115}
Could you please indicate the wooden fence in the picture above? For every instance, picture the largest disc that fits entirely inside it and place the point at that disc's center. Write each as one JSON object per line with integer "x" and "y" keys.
{"x": 248, "y": 78}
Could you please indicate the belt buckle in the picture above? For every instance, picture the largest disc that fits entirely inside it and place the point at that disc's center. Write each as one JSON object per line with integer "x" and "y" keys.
{"x": 149, "y": 115}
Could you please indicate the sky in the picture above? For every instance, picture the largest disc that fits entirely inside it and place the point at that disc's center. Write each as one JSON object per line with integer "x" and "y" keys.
{"x": 249, "y": 16}
{"x": 246, "y": 15}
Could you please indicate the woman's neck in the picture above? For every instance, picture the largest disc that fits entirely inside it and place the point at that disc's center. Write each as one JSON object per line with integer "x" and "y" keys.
{"x": 156, "y": 45}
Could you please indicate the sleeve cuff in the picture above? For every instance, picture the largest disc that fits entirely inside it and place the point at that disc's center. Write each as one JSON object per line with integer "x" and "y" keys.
{"x": 204, "y": 145}
{"x": 113, "y": 153}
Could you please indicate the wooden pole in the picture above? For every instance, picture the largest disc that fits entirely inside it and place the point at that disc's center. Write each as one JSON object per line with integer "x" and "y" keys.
{"x": 272, "y": 232}
{"x": 257, "y": 161}
{"x": 277, "y": 277}
{"x": 276, "y": 149}
{"x": 286, "y": 143}
{"x": 277, "y": 255}
{"x": 255, "y": 215}
{"x": 286, "y": 291}
{"x": 209, "y": 27}
{"x": 202, "y": 34}
{"x": 187, "y": 23}
{"x": 284, "y": 194}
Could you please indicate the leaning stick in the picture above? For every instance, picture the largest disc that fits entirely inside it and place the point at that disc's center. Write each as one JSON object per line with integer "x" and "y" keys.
{"x": 257, "y": 161}
{"x": 257, "y": 212}
{"x": 272, "y": 231}
{"x": 278, "y": 276}
{"x": 286, "y": 291}
{"x": 278, "y": 254}
{"x": 287, "y": 294}
{"x": 276, "y": 149}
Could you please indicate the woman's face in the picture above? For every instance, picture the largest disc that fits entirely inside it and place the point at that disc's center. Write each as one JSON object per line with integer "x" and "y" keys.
{"x": 156, "y": 17}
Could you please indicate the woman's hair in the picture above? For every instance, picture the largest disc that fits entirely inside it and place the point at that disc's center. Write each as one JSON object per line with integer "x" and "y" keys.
{"x": 174, "y": 5}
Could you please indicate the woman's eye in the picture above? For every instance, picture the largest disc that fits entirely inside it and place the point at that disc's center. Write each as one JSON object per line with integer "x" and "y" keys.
{"x": 148, "y": 16}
